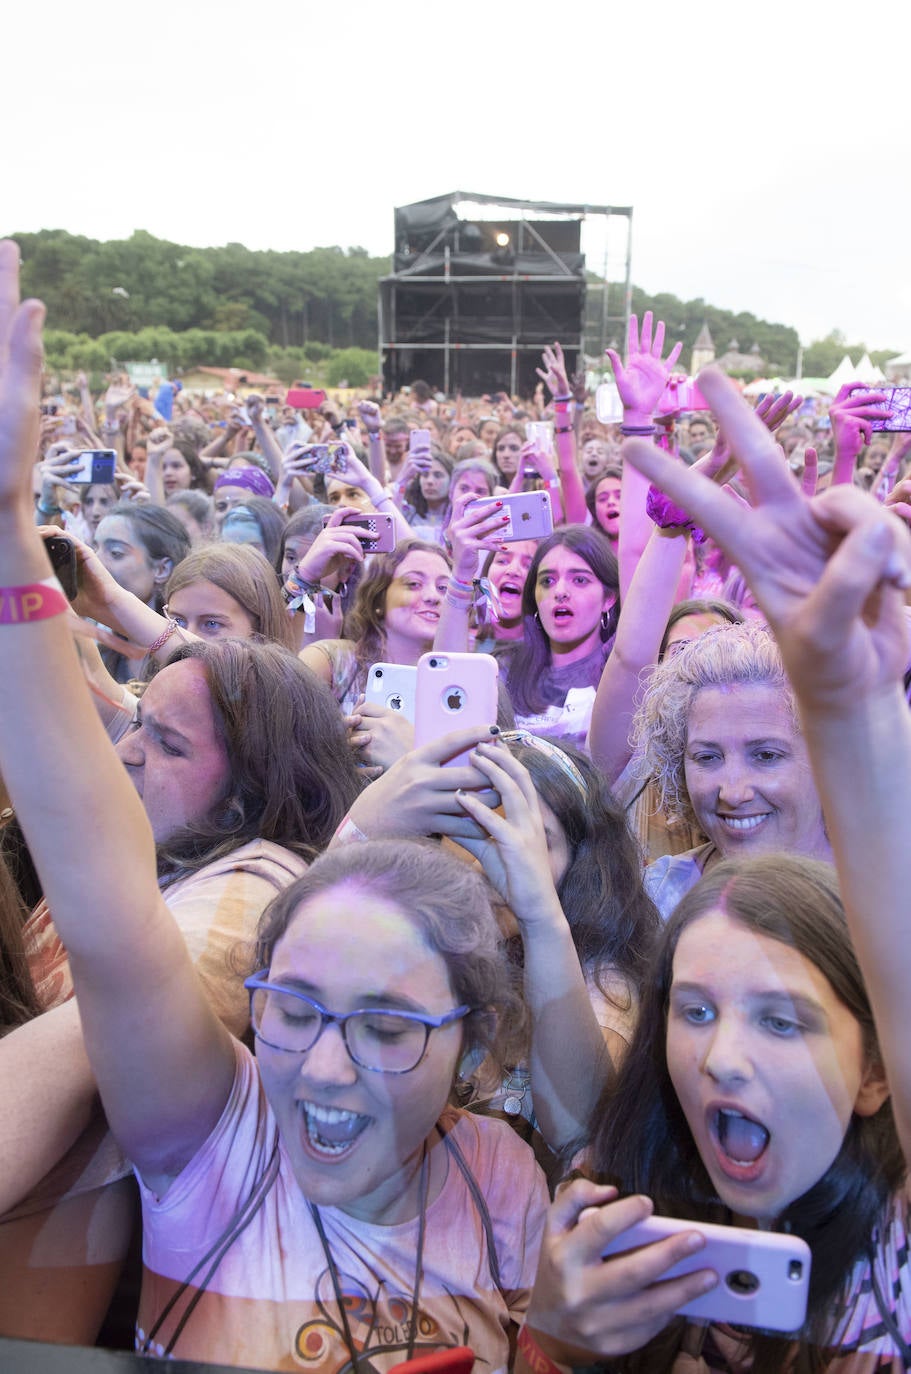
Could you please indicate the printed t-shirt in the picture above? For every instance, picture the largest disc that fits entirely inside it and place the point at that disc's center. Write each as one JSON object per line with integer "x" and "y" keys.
{"x": 270, "y": 1302}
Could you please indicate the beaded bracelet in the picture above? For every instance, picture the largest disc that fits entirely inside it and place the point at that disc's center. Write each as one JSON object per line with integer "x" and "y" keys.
{"x": 630, "y": 430}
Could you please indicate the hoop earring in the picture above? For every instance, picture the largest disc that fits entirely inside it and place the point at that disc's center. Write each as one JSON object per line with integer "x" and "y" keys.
{"x": 605, "y": 619}
{"x": 537, "y": 618}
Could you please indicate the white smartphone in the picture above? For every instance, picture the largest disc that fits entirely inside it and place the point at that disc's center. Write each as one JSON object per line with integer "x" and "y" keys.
{"x": 763, "y": 1276}
{"x": 393, "y": 685}
{"x": 541, "y": 434}
{"x": 454, "y": 691}
{"x": 608, "y": 406}
{"x": 530, "y": 514}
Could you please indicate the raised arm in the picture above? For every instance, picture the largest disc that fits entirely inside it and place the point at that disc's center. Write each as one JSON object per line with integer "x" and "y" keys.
{"x": 163, "y": 1062}
{"x": 569, "y": 1059}
{"x": 640, "y": 383}
{"x": 571, "y": 489}
{"x": 830, "y": 575}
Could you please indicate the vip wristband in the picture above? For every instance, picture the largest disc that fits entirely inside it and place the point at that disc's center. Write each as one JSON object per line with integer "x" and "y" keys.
{"x": 534, "y": 1355}
{"x": 32, "y": 601}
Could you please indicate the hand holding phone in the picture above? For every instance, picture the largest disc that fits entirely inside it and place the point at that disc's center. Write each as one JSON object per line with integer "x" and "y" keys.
{"x": 454, "y": 690}
{"x": 419, "y": 449}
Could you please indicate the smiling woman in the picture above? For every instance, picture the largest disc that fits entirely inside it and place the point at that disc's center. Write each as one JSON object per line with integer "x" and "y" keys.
{"x": 719, "y": 729}
{"x": 394, "y": 619}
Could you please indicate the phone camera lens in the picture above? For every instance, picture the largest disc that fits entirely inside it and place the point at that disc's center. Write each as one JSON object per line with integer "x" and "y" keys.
{"x": 795, "y": 1270}
{"x": 742, "y": 1281}
{"x": 377, "y": 672}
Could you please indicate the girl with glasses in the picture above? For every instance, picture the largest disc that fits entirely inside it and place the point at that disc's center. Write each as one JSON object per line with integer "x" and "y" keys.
{"x": 305, "y": 1205}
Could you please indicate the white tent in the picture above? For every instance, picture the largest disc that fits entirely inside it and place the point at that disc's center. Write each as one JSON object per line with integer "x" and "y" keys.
{"x": 844, "y": 372}
{"x": 867, "y": 371}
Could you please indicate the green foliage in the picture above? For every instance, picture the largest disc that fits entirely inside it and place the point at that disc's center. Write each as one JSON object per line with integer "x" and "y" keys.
{"x": 307, "y": 314}
{"x": 351, "y": 367}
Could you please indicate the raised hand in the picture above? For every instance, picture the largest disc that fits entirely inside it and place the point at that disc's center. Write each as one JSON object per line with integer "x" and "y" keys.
{"x": 370, "y": 416}
{"x": 475, "y": 527}
{"x": 828, "y": 573}
{"x": 643, "y": 379}
{"x": 553, "y": 372}
{"x": 851, "y": 412}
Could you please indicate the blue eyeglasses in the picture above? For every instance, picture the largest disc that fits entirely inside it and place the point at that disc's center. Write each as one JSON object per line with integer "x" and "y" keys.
{"x": 379, "y": 1040}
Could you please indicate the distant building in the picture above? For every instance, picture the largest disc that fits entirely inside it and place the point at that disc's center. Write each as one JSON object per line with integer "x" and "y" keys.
{"x": 703, "y": 350}
{"x": 735, "y": 361}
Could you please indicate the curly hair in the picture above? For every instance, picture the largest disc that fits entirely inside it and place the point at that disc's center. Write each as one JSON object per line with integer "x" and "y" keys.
{"x": 732, "y": 655}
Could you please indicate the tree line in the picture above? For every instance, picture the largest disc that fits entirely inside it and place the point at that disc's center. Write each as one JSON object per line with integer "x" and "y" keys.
{"x": 145, "y": 297}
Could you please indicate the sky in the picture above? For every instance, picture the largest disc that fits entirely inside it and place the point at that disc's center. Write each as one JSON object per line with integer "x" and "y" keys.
{"x": 760, "y": 146}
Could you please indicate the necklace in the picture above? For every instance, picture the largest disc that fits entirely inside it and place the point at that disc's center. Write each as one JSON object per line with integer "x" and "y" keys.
{"x": 423, "y": 1187}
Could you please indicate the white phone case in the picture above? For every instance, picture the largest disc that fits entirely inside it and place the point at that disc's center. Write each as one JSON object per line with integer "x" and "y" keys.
{"x": 393, "y": 685}
{"x": 764, "y": 1277}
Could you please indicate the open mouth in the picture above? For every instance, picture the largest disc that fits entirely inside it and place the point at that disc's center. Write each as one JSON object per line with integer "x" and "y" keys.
{"x": 432, "y": 616}
{"x": 740, "y": 1141}
{"x": 561, "y": 614}
{"x": 331, "y": 1131}
{"x": 510, "y": 589}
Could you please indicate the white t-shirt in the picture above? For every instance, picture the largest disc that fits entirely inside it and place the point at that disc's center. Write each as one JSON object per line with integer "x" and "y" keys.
{"x": 270, "y": 1302}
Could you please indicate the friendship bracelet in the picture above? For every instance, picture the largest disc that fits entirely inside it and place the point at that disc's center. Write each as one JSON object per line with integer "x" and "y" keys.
{"x": 459, "y": 582}
{"x": 47, "y": 511}
{"x": 629, "y": 430}
{"x": 563, "y": 429}
{"x": 537, "y": 1360}
{"x": 562, "y": 400}
{"x": 32, "y": 601}
{"x": 163, "y": 638}
{"x": 460, "y": 604}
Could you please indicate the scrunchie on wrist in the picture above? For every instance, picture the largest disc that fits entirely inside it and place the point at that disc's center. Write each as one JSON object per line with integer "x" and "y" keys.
{"x": 667, "y": 516}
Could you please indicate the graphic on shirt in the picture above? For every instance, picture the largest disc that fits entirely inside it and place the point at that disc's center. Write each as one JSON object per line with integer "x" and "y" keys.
{"x": 380, "y": 1323}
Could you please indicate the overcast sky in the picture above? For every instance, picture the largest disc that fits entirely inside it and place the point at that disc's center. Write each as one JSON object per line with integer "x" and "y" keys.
{"x": 763, "y": 147}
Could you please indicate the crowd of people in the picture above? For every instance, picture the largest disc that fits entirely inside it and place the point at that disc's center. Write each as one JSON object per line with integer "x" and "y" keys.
{"x": 381, "y": 1035}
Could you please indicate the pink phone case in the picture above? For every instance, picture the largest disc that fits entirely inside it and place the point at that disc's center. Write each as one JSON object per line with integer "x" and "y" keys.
{"x": 764, "y": 1277}
{"x": 454, "y": 691}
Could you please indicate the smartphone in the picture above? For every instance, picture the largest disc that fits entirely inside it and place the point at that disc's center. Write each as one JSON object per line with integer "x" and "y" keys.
{"x": 273, "y": 400}
{"x": 95, "y": 465}
{"x": 541, "y": 434}
{"x": 376, "y": 532}
{"x": 419, "y": 448}
{"x": 608, "y": 406}
{"x": 394, "y": 686}
{"x": 325, "y": 458}
{"x": 898, "y": 399}
{"x": 530, "y": 514}
{"x": 305, "y": 398}
{"x": 681, "y": 394}
{"x": 62, "y": 553}
{"x": 764, "y": 1277}
{"x": 454, "y": 691}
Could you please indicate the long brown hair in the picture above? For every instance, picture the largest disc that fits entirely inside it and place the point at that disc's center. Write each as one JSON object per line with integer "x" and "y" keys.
{"x": 18, "y": 999}
{"x": 642, "y": 1142}
{"x": 293, "y": 775}
{"x": 364, "y": 622}
{"x": 242, "y": 572}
